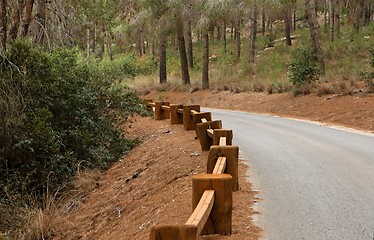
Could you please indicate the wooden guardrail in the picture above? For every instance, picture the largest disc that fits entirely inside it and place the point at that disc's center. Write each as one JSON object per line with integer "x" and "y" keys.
{"x": 211, "y": 192}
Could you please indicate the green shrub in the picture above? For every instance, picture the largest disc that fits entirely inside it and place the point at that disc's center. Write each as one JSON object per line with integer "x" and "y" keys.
{"x": 56, "y": 114}
{"x": 303, "y": 66}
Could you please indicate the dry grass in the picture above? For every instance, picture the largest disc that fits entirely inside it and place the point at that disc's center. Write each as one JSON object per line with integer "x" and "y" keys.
{"x": 39, "y": 219}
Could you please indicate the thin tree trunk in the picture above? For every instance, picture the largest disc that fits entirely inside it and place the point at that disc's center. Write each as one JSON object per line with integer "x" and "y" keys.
{"x": 26, "y": 18}
{"x": 314, "y": 33}
{"x": 253, "y": 34}
{"x": 263, "y": 21}
{"x": 189, "y": 44}
{"x": 287, "y": 24}
{"x": 357, "y": 15}
{"x": 337, "y": 18}
{"x": 232, "y": 31}
{"x": 219, "y": 32}
{"x": 294, "y": 19}
{"x": 238, "y": 40}
{"x": 183, "y": 55}
{"x": 40, "y": 22}
{"x": 109, "y": 43}
{"x": 224, "y": 37}
{"x": 332, "y": 20}
{"x": 139, "y": 43}
{"x": 205, "y": 77}
{"x": 162, "y": 49}
{"x": 325, "y": 13}
{"x": 16, "y": 19}
{"x": 3, "y": 25}
{"x": 88, "y": 39}
{"x": 101, "y": 51}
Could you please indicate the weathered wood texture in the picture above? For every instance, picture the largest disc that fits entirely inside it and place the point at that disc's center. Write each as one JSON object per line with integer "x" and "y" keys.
{"x": 218, "y": 133}
{"x": 232, "y": 155}
{"x": 201, "y": 213}
{"x": 202, "y": 134}
{"x": 220, "y": 166}
{"x": 173, "y": 232}
{"x": 220, "y": 218}
{"x": 188, "y": 122}
{"x": 175, "y": 117}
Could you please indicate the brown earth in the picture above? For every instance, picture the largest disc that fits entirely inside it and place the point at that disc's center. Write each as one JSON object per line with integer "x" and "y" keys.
{"x": 150, "y": 186}
{"x": 353, "y": 111}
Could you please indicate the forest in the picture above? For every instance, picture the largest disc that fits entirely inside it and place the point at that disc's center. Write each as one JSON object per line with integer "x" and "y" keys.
{"x": 72, "y": 71}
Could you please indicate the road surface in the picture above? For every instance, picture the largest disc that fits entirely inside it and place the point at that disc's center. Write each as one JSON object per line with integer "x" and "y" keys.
{"x": 315, "y": 182}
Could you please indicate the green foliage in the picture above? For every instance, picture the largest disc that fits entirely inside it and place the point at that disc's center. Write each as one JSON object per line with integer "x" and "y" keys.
{"x": 372, "y": 57}
{"x": 303, "y": 66}
{"x": 56, "y": 114}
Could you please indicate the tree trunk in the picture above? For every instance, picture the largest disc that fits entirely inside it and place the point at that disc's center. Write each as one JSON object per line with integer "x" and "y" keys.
{"x": 238, "y": 40}
{"x": 189, "y": 44}
{"x": 162, "y": 49}
{"x": 183, "y": 55}
{"x": 16, "y": 19}
{"x": 253, "y": 34}
{"x": 3, "y": 25}
{"x": 287, "y": 24}
{"x": 357, "y": 15}
{"x": 294, "y": 19}
{"x": 40, "y": 22}
{"x": 88, "y": 39}
{"x": 325, "y": 14}
{"x": 337, "y": 18}
{"x": 232, "y": 31}
{"x": 109, "y": 43}
{"x": 263, "y": 21}
{"x": 139, "y": 43}
{"x": 367, "y": 12}
{"x": 219, "y": 32}
{"x": 332, "y": 20}
{"x": 205, "y": 77}
{"x": 26, "y": 18}
{"x": 224, "y": 37}
{"x": 314, "y": 33}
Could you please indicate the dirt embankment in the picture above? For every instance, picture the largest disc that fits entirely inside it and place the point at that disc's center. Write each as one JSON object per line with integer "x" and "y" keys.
{"x": 150, "y": 186}
{"x": 355, "y": 111}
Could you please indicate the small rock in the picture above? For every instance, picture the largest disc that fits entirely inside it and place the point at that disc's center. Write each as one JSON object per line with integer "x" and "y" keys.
{"x": 195, "y": 154}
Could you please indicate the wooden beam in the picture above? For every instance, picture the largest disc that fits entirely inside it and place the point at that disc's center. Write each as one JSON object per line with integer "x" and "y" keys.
{"x": 202, "y": 211}
{"x": 222, "y": 141}
{"x": 220, "y": 166}
{"x": 167, "y": 108}
{"x": 193, "y": 112}
{"x": 210, "y": 133}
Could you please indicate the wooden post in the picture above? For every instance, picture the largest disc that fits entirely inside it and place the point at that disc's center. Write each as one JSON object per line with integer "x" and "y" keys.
{"x": 175, "y": 117}
{"x": 187, "y": 117}
{"x": 198, "y": 116}
{"x": 201, "y": 133}
{"x": 177, "y": 232}
{"x": 232, "y": 157}
{"x": 220, "y": 218}
{"x": 158, "y": 111}
{"x": 218, "y": 133}
{"x": 166, "y": 113}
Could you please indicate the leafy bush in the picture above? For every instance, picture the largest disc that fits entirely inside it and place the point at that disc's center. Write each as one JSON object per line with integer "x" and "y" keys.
{"x": 372, "y": 58}
{"x": 303, "y": 66}
{"x": 55, "y": 115}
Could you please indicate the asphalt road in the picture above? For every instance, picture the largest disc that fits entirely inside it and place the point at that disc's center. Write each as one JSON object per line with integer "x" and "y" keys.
{"x": 315, "y": 182}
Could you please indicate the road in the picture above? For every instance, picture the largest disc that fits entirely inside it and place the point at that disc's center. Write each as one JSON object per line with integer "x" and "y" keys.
{"x": 315, "y": 182}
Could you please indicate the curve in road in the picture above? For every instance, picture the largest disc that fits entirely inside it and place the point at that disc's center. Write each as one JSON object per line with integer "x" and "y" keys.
{"x": 315, "y": 182}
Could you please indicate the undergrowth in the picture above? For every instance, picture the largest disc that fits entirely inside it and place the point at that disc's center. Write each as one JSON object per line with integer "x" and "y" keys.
{"x": 57, "y": 113}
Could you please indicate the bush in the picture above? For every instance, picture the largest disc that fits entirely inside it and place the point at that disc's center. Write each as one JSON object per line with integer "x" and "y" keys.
{"x": 55, "y": 115}
{"x": 303, "y": 66}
